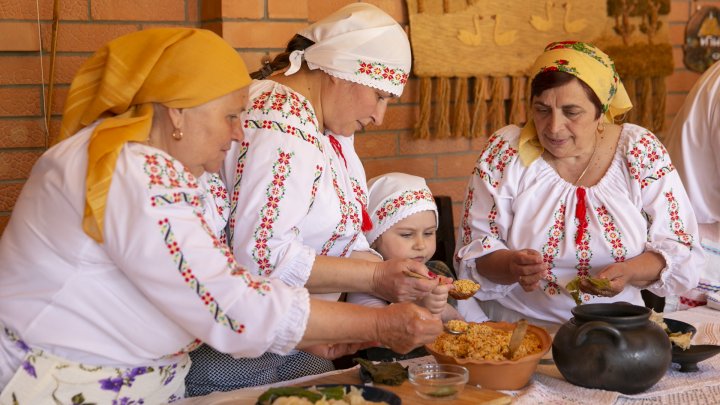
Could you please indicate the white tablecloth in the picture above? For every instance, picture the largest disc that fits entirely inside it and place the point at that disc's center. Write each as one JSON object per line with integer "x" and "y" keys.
{"x": 703, "y": 387}
{"x": 549, "y": 387}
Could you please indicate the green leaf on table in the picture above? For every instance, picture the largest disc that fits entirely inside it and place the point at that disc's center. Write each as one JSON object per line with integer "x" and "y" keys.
{"x": 388, "y": 373}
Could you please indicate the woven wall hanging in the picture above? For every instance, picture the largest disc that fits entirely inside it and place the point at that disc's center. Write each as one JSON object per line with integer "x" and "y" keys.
{"x": 473, "y": 56}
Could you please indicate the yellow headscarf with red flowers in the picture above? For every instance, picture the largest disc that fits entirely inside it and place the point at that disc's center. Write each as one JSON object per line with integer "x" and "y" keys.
{"x": 594, "y": 68}
{"x": 176, "y": 67}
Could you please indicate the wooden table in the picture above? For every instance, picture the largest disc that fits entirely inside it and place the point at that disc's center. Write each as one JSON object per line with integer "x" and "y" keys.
{"x": 546, "y": 385}
{"x": 471, "y": 395}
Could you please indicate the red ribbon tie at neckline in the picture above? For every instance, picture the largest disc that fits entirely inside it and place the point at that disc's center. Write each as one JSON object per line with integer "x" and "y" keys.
{"x": 337, "y": 148}
{"x": 366, "y": 225}
{"x": 580, "y": 210}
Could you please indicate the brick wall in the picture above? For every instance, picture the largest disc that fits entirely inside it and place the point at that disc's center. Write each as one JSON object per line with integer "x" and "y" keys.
{"x": 256, "y": 28}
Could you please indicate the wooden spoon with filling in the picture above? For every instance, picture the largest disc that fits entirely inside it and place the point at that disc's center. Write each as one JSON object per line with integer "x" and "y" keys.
{"x": 516, "y": 338}
{"x": 464, "y": 289}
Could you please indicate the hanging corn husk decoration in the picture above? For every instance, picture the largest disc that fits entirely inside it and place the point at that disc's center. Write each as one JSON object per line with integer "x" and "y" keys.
{"x": 643, "y": 68}
{"x": 461, "y": 114}
{"x": 442, "y": 108}
{"x": 422, "y": 130}
{"x": 497, "y": 104}
{"x": 479, "y": 116}
{"x": 473, "y": 56}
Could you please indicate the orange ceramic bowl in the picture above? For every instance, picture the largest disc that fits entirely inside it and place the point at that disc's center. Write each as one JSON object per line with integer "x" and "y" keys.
{"x": 503, "y": 374}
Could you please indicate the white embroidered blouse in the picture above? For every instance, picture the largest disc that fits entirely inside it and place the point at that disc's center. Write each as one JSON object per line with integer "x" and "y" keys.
{"x": 640, "y": 204}
{"x": 293, "y": 194}
{"x": 162, "y": 281}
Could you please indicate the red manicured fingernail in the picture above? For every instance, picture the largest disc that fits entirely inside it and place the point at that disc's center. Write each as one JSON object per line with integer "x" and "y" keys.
{"x": 431, "y": 274}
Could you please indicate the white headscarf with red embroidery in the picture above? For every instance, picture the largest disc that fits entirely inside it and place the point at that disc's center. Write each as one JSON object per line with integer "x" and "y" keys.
{"x": 393, "y": 197}
{"x": 359, "y": 43}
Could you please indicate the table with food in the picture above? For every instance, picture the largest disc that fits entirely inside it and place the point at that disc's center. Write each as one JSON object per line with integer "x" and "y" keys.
{"x": 606, "y": 354}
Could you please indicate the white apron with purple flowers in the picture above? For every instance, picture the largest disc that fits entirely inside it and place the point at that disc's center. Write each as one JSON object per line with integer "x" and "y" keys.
{"x": 162, "y": 281}
{"x": 48, "y": 379}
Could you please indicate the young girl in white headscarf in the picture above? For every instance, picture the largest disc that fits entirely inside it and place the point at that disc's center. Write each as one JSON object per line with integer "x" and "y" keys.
{"x": 405, "y": 221}
{"x": 297, "y": 188}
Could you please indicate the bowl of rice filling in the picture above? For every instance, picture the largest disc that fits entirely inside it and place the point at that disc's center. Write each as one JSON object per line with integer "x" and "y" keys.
{"x": 484, "y": 349}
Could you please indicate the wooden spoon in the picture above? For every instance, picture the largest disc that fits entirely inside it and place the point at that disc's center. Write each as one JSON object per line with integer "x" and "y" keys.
{"x": 470, "y": 288}
{"x": 516, "y": 338}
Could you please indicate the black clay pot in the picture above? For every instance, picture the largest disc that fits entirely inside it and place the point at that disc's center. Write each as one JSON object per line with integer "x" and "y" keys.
{"x": 613, "y": 347}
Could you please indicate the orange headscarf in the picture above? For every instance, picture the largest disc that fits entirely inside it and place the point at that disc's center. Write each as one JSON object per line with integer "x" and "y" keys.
{"x": 176, "y": 67}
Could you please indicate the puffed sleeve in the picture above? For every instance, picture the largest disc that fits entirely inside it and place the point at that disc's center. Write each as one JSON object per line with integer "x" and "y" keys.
{"x": 672, "y": 227}
{"x": 273, "y": 183}
{"x": 156, "y": 234}
{"x": 487, "y": 212}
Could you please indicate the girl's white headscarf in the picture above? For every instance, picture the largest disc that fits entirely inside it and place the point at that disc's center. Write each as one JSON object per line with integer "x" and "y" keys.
{"x": 359, "y": 43}
{"x": 393, "y": 197}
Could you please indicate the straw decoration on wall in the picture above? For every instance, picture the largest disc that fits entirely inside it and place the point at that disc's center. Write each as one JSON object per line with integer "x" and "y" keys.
{"x": 472, "y": 56}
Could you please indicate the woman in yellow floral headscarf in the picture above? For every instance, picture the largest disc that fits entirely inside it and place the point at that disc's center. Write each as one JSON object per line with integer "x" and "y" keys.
{"x": 114, "y": 264}
{"x": 574, "y": 205}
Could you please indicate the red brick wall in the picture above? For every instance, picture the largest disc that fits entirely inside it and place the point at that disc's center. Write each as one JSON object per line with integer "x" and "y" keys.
{"x": 256, "y": 28}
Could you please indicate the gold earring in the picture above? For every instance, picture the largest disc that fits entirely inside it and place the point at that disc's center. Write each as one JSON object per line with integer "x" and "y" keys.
{"x": 177, "y": 134}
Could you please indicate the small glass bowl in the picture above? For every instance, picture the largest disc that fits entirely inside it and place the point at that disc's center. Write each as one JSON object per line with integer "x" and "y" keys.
{"x": 438, "y": 381}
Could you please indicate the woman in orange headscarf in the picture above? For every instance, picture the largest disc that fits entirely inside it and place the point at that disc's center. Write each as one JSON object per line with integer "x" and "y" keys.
{"x": 114, "y": 264}
{"x": 572, "y": 197}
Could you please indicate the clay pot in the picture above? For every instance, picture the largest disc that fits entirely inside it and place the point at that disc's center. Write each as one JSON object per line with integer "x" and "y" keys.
{"x": 613, "y": 347}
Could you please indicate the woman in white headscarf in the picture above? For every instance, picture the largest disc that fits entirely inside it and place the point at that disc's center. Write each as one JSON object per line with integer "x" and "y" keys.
{"x": 297, "y": 188}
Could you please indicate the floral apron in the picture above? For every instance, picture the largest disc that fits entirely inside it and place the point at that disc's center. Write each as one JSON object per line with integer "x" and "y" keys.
{"x": 47, "y": 379}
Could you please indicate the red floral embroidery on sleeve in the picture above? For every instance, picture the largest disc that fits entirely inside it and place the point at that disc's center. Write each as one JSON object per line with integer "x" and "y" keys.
{"x": 269, "y": 213}
{"x": 642, "y": 158}
{"x": 494, "y": 160}
{"x": 183, "y": 267}
{"x": 676, "y": 223}
{"x": 167, "y": 172}
{"x": 466, "y": 231}
{"x": 290, "y": 106}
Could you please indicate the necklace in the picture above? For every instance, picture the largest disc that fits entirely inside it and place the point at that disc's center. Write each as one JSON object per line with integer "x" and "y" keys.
{"x": 587, "y": 166}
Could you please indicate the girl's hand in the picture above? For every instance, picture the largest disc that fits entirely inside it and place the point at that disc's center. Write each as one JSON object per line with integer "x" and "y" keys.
{"x": 436, "y": 301}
